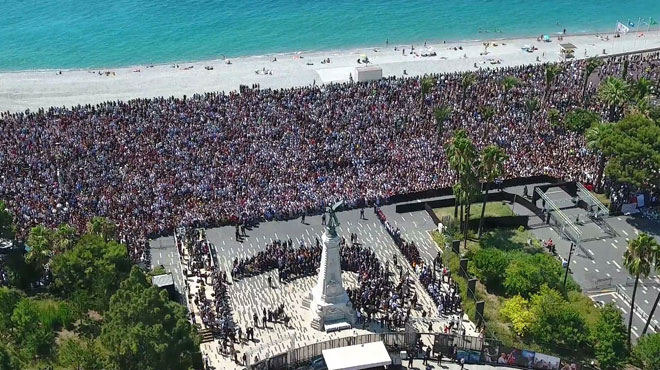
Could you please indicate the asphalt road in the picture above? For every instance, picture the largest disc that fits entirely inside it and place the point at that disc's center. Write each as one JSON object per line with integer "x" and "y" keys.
{"x": 597, "y": 264}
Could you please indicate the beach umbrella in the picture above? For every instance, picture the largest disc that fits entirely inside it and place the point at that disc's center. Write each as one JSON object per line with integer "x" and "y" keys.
{"x": 546, "y": 37}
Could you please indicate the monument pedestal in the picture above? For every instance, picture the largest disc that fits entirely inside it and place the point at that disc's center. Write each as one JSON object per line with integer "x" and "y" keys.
{"x": 329, "y": 302}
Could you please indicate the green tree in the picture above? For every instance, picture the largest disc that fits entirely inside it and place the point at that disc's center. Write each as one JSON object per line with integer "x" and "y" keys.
{"x": 64, "y": 238}
{"x": 646, "y": 354}
{"x": 526, "y": 274}
{"x": 7, "y": 228}
{"x": 81, "y": 354}
{"x": 554, "y": 117}
{"x": 486, "y": 112}
{"x": 632, "y": 147}
{"x": 556, "y": 322}
{"x": 508, "y": 83}
{"x": 33, "y": 336}
{"x": 595, "y": 136}
{"x": 102, "y": 226}
{"x": 467, "y": 81}
{"x": 455, "y": 162}
{"x": 655, "y": 253}
{"x": 491, "y": 166}
{"x": 637, "y": 259}
{"x": 615, "y": 93}
{"x": 441, "y": 114}
{"x": 92, "y": 271}
{"x": 551, "y": 73}
{"x": 491, "y": 263}
{"x": 143, "y": 329}
{"x": 516, "y": 311}
{"x": 589, "y": 68}
{"x": 9, "y": 298}
{"x": 609, "y": 338}
{"x": 7, "y": 359}
{"x": 426, "y": 85}
{"x": 40, "y": 246}
{"x": 462, "y": 155}
{"x": 579, "y": 120}
{"x": 642, "y": 88}
{"x": 531, "y": 106}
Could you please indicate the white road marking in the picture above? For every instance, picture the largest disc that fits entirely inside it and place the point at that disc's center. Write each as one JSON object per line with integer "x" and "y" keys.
{"x": 586, "y": 269}
{"x": 619, "y": 218}
{"x": 624, "y": 231}
{"x": 608, "y": 274}
{"x": 590, "y": 252}
{"x": 596, "y": 270}
{"x": 614, "y": 245}
{"x": 616, "y": 264}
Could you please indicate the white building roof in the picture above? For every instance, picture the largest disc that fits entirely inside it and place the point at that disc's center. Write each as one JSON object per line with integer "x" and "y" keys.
{"x": 361, "y": 356}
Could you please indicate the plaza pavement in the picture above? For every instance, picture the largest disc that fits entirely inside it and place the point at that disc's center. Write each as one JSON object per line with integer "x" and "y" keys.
{"x": 251, "y": 295}
{"x": 596, "y": 266}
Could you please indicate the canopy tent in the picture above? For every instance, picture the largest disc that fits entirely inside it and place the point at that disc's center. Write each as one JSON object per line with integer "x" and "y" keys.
{"x": 361, "y": 356}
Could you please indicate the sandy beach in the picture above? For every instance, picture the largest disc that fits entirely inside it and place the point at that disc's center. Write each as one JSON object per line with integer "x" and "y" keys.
{"x": 37, "y": 89}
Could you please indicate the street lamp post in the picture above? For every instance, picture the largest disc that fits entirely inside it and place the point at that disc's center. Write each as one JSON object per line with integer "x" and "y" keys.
{"x": 568, "y": 265}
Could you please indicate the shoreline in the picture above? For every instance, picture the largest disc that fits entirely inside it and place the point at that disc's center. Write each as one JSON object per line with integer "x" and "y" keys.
{"x": 307, "y": 51}
{"x": 21, "y": 90}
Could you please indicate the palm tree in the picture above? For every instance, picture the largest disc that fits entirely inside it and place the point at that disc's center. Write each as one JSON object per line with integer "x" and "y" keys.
{"x": 594, "y": 136}
{"x": 441, "y": 114}
{"x": 508, "y": 83}
{"x": 592, "y": 65}
{"x": 614, "y": 92}
{"x": 551, "y": 72}
{"x": 426, "y": 85}
{"x": 454, "y": 162}
{"x": 531, "y": 106}
{"x": 656, "y": 258}
{"x": 64, "y": 238}
{"x": 40, "y": 244}
{"x": 491, "y": 166}
{"x": 462, "y": 154}
{"x": 637, "y": 260}
{"x": 643, "y": 88}
{"x": 103, "y": 227}
{"x": 487, "y": 113}
{"x": 468, "y": 80}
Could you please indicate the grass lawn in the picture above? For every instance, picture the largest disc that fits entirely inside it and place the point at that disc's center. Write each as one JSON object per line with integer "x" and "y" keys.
{"x": 603, "y": 199}
{"x": 493, "y": 209}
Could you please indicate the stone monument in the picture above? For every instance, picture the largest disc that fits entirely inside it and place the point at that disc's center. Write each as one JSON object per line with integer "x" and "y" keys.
{"x": 329, "y": 303}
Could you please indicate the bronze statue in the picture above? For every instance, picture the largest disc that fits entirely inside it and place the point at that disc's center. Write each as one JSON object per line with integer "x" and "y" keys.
{"x": 333, "y": 222}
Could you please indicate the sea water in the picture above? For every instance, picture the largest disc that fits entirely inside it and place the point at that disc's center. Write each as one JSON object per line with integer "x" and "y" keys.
{"x": 60, "y": 34}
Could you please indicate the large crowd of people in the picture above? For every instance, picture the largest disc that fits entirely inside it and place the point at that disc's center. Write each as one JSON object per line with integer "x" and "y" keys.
{"x": 214, "y": 311}
{"x": 153, "y": 164}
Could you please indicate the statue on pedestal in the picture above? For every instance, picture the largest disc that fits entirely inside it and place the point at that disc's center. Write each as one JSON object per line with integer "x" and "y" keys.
{"x": 329, "y": 301}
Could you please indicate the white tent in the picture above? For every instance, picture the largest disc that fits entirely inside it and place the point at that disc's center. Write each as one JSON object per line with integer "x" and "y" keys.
{"x": 361, "y": 356}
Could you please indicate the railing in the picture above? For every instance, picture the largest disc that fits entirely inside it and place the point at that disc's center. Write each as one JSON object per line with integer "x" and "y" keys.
{"x": 590, "y": 199}
{"x": 644, "y": 315}
{"x": 393, "y": 342}
{"x": 567, "y": 227}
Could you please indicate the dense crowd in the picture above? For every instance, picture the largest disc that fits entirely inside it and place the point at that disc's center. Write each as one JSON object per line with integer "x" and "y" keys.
{"x": 215, "y": 312}
{"x": 290, "y": 262}
{"x": 408, "y": 249}
{"x": 153, "y": 164}
{"x": 443, "y": 290}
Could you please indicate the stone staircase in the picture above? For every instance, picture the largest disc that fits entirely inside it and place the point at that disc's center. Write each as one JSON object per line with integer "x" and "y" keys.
{"x": 206, "y": 335}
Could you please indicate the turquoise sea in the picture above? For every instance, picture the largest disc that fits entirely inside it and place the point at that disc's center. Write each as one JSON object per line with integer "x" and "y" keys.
{"x": 39, "y": 34}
